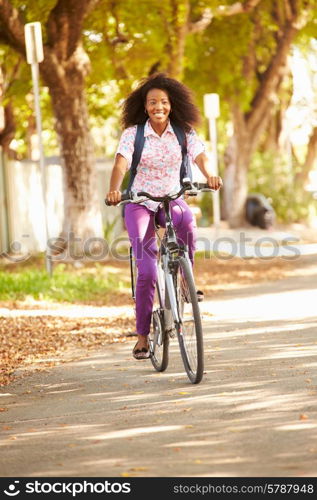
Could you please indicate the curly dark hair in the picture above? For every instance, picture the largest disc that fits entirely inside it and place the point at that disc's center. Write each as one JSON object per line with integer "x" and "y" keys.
{"x": 184, "y": 112}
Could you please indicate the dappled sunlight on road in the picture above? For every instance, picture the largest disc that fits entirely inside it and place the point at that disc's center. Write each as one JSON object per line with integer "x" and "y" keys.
{"x": 135, "y": 431}
{"x": 296, "y": 427}
{"x": 286, "y": 305}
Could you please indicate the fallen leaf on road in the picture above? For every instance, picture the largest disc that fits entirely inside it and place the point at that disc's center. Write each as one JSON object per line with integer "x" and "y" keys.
{"x": 303, "y": 417}
{"x": 27, "y": 340}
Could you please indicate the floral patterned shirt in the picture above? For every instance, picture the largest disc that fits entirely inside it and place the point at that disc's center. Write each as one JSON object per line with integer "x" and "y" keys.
{"x": 158, "y": 172}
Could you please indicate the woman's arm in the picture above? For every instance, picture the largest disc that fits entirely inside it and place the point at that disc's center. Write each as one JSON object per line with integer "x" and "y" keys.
{"x": 213, "y": 181}
{"x": 118, "y": 172}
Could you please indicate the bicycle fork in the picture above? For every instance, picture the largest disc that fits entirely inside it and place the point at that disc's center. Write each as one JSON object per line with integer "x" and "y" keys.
{"x": 165, "y": 280}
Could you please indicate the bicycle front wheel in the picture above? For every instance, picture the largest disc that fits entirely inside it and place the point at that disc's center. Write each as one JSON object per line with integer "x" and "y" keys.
{"x": 189, "y": 330}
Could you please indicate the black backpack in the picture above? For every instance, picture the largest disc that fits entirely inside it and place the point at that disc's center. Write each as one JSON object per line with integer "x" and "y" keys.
{"x": 185, "y": 170}
{"x": 259, "y": 211}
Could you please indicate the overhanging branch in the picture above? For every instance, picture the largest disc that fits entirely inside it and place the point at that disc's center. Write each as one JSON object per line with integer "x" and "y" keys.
{"x": 221, "y": 11}
{"x": 236, "y": 8}
{"x": 271, "y": 76}
{"x": 65, "y": 22}
{"x": 202, "y": 23}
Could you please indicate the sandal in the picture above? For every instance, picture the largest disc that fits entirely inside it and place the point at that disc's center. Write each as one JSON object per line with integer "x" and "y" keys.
{"x": 141, "y": 353}
{"x": 200, "y": 295}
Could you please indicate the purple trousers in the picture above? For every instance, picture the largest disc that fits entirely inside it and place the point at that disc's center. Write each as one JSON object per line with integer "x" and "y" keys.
{"x": 140, "y": 224}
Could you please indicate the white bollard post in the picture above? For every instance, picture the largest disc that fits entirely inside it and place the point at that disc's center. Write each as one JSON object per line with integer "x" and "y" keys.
{"x": 35, "y": 55}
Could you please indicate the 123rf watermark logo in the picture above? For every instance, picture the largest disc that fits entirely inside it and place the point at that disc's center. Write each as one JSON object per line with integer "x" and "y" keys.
{"x": 70, "y": 488}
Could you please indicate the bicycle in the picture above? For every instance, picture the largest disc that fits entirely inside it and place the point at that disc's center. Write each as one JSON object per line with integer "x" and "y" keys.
{"x": 176, "y": 307}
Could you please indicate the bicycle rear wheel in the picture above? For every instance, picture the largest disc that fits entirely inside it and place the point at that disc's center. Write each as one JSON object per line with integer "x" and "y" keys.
{"x": 189, "y": 331}
{"x": 159, "y": 342}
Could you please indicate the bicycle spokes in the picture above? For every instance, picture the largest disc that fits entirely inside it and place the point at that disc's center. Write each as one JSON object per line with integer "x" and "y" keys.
{"x": 190, "y": 329}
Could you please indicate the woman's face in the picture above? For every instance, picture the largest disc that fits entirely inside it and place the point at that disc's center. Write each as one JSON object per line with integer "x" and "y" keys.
{"x": 158, "y": 106}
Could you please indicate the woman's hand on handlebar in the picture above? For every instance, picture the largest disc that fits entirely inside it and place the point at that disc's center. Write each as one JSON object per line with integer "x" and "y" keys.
{"x": 113, "y": 197}
{"x": 214, "y": 182}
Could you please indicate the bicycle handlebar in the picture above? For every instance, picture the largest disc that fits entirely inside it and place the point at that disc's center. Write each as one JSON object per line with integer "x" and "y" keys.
{"x": 188, "y": 186}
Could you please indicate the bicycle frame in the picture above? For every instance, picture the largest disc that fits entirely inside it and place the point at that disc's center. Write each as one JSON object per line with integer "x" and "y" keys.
{"x": 170, "y": 250}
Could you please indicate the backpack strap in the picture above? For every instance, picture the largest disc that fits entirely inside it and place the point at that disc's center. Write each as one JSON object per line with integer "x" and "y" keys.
{"x": 138, "y": 148}
{"x": 185, "y": 170}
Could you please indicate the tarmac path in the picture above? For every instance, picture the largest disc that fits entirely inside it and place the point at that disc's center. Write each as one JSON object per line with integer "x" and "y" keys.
{"x": 253, "y": 415}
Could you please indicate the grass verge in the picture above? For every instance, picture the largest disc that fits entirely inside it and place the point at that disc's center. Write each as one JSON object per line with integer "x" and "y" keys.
{"x": 87, "y": 284}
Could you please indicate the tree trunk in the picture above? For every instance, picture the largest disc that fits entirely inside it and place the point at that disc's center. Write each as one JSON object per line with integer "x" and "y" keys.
{"x": 178, "y": 32}
{"x": 82, "y": 215}
{"x": 302, "y": 178}
{"x": 249, "y": 126}
{"x": 82, "y": 208}
{"x": 311, "y": 151}
{"x": 7, "y": 122}
{"x": 237, "y": 159}
{"x": 8, "y": 132}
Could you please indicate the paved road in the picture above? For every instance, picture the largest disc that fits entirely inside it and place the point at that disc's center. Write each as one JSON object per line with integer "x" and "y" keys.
{"x": 254, "y": 414}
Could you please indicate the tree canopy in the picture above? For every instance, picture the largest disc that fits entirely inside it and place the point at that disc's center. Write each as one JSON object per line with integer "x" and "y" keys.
{"x": 239, "y": 50}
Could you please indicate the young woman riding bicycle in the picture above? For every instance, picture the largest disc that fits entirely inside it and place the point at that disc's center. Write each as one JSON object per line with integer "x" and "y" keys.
{"x": 160, "y": 103}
